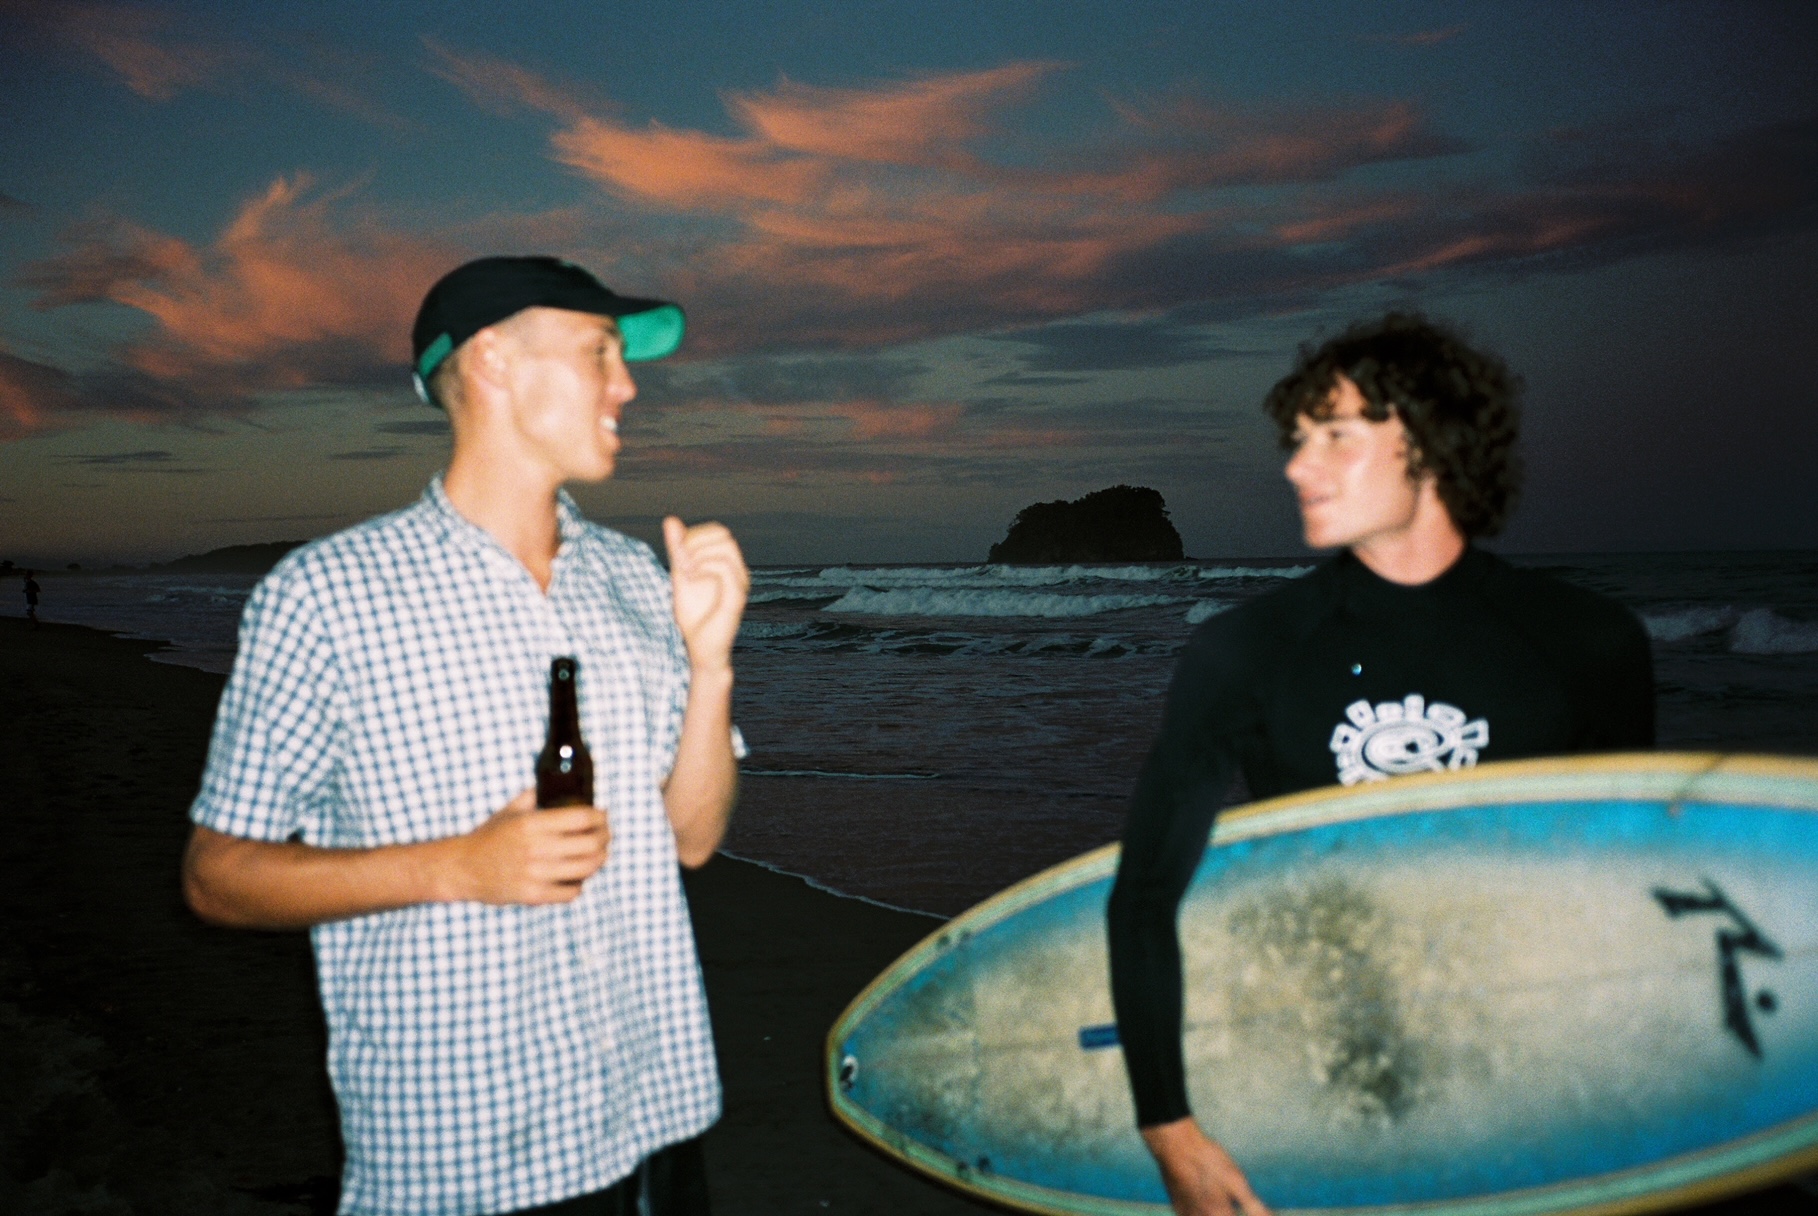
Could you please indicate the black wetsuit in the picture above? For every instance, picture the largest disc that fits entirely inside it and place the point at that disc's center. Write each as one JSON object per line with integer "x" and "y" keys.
{"x": 1343, "y": 676}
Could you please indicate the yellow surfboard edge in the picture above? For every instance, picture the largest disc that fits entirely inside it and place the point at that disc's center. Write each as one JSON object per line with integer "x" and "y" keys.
{"x": 1774, "y": 1155}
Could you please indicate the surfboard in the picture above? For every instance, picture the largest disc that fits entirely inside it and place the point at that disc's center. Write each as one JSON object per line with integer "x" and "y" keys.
{"x": 1535, "y": 988}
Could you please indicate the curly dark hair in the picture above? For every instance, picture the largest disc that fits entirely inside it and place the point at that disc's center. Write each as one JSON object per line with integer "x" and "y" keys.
{"x": 1458, "y": 404}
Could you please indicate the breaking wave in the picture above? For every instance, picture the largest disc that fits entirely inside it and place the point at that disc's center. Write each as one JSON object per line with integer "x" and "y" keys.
{"x": 1683, "y": 623}
{"x": 1750, "y": 631}
{"x": 1764, "y": 631}
{"x": 793, "y": 583}
{"x": 941, "y": 601}
{"x": 1205, "y": 610}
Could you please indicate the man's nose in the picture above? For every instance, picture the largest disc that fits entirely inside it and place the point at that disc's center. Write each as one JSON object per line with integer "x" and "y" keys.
{"x": 1298, "y": 466}
{"x": 620, "y": 387}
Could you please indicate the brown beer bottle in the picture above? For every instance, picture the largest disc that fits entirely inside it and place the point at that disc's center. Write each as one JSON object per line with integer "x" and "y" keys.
{"x": 564, "y": 768}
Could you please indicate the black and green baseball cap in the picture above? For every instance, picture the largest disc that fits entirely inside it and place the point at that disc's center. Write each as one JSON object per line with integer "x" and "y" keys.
{"x": 484, "y": 292}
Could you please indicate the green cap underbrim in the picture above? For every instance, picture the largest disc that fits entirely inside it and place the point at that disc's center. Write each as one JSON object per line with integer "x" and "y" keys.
{"x": 652, "y": 334}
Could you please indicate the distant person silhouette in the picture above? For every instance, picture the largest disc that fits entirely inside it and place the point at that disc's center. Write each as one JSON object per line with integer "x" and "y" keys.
{"x": 31, "y": 598}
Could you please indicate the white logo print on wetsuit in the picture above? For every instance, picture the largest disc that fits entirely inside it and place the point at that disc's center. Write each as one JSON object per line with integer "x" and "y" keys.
{"x": 1395, "y": 738}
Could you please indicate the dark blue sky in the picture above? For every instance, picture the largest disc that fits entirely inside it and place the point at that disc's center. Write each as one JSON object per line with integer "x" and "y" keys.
{"x": 940, "y": 260}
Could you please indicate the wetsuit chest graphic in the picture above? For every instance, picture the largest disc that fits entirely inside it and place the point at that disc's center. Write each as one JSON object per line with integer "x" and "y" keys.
{"x": 1396, "y": 738}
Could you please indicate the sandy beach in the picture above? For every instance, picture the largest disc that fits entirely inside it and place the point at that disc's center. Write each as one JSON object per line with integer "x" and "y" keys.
{"x": 154, "y": 1065}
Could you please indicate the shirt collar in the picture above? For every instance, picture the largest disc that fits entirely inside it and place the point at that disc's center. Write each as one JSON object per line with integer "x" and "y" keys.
{"x": 570, "y": 523}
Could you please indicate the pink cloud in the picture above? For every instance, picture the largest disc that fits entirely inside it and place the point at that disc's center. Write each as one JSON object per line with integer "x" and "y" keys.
{"x": 135, "y": 44}
{"x": 908, "y": 123}
{"x": 158, "y": 54}
{"x": 857, "y": 218}
{"x": 1025, "y": 437}
{"x": 840, "y": 436}
{"x": 1432, "y": 37}
{"x": 1336, "y": 222}
{"x": 687, "y": 170}
{"x": 501, "y": 86}
{"x": 873, "y": 420}
{"x": 103, "y": 257}
{"x": 291, "y": 293}
{"x": 32, "y": 395}
{"x": 862, "y": 442}
{"x": 282, "y": 275}
{"x": 867, "y": 215}
{"x": 857, "y": 421}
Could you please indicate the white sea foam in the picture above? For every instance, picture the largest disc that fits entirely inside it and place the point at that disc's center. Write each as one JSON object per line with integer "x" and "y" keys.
{"x": 939, "y": 601}
{"x": 991, "y": 576}
{"x": 909, "y": 576}
{"x": 1751, "y": 631}
{"x": 765, "y": 630}
{"x": 1679, "y": 624}
{"x": 1254, "y": 571}
{"x": 1764, "y": 631}
{"x": 1205, "y": 610}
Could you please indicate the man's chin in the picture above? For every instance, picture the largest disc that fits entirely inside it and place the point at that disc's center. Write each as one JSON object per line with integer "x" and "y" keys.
{"x": 599, "y": 472}
{"x": 1323, "y": 538}
{"x": 1315, "y": 535}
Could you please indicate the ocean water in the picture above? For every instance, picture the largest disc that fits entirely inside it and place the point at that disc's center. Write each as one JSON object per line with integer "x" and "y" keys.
{"x": 925, "y": 735}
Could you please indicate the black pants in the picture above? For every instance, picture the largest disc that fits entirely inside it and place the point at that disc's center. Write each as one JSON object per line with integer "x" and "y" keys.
{"x": 670, "y": 1182}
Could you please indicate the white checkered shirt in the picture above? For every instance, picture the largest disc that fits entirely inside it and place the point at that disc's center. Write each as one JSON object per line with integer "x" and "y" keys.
{"x": 392, "y": 685}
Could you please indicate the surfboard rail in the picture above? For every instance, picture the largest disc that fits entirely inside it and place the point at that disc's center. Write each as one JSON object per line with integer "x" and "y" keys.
{"x": 1677, "y": 780}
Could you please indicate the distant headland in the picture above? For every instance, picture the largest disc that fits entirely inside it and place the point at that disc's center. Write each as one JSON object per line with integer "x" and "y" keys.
{"x": 231, "y": 559}
{"x": 234, "y": 559}
{"x": 1116, "y": 524}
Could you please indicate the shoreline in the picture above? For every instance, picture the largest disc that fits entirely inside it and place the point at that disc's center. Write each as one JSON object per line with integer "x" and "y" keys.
{"x": 935, "y": 918}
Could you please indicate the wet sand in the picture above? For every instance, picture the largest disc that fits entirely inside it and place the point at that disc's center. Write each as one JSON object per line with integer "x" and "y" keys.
{"x": 151, "y": 1064}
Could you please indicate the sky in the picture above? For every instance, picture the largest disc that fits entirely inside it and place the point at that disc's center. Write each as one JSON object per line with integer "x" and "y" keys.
{"x": 940, "y": 260}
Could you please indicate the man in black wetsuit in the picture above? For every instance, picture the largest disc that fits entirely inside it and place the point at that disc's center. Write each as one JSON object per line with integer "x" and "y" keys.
{"x": 1411, "y": 651}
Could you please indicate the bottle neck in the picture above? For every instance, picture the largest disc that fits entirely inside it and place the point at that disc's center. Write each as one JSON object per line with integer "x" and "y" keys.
{"x": 564, "y": 707}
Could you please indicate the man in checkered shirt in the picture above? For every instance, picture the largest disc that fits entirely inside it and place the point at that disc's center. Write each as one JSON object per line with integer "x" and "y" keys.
{"x": 515, "y": 1012}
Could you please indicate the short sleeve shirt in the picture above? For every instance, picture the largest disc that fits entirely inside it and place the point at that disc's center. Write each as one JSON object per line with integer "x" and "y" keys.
{"x": 391, "y": 686}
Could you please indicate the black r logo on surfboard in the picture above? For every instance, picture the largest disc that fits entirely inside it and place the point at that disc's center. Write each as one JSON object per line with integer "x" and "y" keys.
{"x": 1743, "y": 938}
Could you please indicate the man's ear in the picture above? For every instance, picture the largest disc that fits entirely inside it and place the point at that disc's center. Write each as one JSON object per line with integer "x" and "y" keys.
{"x": 1419, "y": 470}
{"x": 487, "y": 357}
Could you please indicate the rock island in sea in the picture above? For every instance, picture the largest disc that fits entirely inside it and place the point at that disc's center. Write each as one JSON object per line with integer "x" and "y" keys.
{"x": 1116, "y": 524}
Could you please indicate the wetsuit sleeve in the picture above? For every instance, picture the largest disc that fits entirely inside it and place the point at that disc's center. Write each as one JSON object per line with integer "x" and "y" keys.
{"x": 1183, "y": 781}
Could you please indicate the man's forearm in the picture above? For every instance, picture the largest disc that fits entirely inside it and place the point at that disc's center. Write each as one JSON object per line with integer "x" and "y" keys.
{"x": 256, "y": 884}
{"x": 704, "y": 782}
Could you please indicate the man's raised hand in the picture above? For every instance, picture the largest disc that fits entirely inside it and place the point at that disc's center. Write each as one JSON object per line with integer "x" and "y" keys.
{"x": 523, "y": 855}
{"x": 708, "y": 574}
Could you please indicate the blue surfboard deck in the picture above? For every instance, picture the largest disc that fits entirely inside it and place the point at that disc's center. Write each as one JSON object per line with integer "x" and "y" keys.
{"x": 1545, "y": 987}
